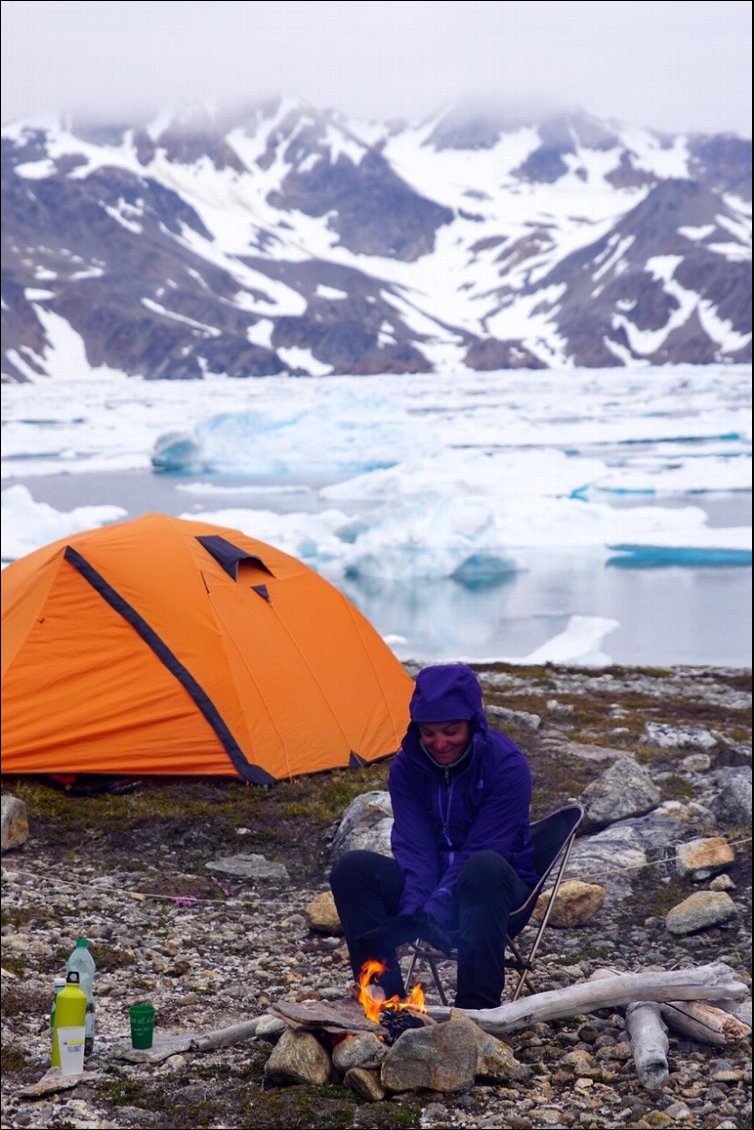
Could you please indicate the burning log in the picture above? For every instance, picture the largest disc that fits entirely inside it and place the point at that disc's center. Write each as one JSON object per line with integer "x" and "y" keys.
{"x": 610, "y": 991}
{"x": 649, "y": 1043}
{"x": 395, "y": 1022}
{"x": 372, "y": 998}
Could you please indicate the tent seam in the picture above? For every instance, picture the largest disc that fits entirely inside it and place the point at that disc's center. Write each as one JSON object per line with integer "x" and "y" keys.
{"x": 157, "y": 645}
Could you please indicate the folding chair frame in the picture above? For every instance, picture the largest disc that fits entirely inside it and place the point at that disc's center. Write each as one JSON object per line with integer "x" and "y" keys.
{"x": 420, "y": 951}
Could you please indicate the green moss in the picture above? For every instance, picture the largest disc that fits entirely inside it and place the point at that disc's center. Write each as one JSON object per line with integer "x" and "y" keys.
{"x": 631, "y": 672}
{"x": 325, "y": 799}
{"x": 587, "y": 953}
{"x": 665, "y": 895}
{"x": 199, "y": 1098}
{"x": 110, "y": 957}
{"x": 124, "y": 1091}
{"x": 12, "y": 1058}
{"x": 16, "y": 963}
{"x": 19, "y": 1000}
{"x": 18, "y": 917}
{"x": 677, "y": 788}
{"x": 333, "y": 1106}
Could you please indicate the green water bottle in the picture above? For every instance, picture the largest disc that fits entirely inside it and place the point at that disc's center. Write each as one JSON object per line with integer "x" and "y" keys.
{"x": 70, "y": 1012}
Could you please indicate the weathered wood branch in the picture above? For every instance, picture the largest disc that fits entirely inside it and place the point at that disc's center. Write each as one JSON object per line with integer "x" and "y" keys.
{"x": 703, "y": 1022}
{"x": 740, "y": 1009}
{"x": 224, "y": 1037}
{"x": 614, "y": 990}
{"x": 649, "y": 1043}
{"x": 605, "y": 990}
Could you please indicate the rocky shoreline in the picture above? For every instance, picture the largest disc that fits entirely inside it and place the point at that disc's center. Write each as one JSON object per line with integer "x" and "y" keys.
{"x": 661, "y": 759}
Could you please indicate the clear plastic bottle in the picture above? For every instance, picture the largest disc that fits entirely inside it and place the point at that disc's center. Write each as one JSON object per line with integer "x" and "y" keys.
{"x": 82, "y": 962}
{"x": 70, "y": 1011}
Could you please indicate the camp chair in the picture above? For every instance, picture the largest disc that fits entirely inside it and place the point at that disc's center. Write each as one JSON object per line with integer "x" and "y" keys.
{"x": 553, "y": 839}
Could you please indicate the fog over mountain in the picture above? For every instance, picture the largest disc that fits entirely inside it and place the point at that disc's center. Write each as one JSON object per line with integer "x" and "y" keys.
{"x": 656, "y": 63}
{"x": 287, "y": 238}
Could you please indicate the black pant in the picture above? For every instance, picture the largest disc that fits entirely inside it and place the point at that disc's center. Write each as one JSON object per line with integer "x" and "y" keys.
{"x": 367, "y": 888}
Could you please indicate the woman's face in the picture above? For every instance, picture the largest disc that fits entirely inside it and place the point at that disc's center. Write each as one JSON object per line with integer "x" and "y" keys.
{"x": 445, "y": 741}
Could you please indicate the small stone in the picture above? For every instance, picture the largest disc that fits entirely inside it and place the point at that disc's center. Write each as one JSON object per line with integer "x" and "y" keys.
{"x": 700, "y": 910}
{"x": 322, "y": 916}
{"x": 362, "y": 1050}
{"x": 727, "y": 1076}
{"x": 678, "y": 1111}
{"x": 722, "y": 883}
{"x": 703, "y": 858}
{"x": 575, "y": 904}
{"x": 697, "y": 763}
{"x": 365, "y": 1083}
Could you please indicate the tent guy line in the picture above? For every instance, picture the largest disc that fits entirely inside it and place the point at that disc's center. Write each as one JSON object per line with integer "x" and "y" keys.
{"x": 187, "y": 902}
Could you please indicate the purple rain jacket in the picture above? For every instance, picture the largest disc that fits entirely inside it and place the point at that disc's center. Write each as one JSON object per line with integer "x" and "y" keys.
{"x": 443, "y": 815}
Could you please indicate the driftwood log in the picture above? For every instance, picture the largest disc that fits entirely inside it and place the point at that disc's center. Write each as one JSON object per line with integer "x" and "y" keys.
{"x": 649, "y": 1043}
{"x": 740, "y": 1009}
{"x": 704, "y": 982}
{"x": 701, "y": 1021}
{"x": 224, "y": 1037}
{"x": 606, "y": 991}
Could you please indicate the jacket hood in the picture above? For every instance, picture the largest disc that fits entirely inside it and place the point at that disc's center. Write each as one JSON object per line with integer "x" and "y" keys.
{"x": 446, "y": 693}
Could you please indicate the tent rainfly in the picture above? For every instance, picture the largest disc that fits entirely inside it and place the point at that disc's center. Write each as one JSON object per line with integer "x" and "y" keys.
{"x": 172, "y": 647}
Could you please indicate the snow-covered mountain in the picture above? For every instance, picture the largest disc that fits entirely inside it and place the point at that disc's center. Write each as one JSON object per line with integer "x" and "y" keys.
{"x": 290, "y": 239}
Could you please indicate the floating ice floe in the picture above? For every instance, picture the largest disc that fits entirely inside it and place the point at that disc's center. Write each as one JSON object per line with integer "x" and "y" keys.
{"x": 579, "y": 644}
{"x": 344, "y": 433}
{"x": 28, "y": 525}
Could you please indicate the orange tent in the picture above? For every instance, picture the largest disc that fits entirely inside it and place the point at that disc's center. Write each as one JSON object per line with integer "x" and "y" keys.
{"x": 165, "y": 646}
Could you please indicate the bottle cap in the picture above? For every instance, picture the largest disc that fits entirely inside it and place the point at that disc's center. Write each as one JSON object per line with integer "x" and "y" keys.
{"x": 82, "y": 942}
{"x": 73, "y": 977}
{"x": 59, "y": 982}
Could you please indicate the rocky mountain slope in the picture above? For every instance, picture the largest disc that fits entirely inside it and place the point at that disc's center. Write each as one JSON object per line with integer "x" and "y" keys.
{"x": 290, "y": 239}
{"x": 148, "y": 877}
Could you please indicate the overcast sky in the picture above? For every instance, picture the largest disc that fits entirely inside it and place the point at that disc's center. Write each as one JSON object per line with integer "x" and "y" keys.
{"x": 672, "y": 66}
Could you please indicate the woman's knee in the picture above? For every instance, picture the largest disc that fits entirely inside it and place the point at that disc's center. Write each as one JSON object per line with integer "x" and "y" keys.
{"x": 352, "y": 865}
{"x": 364, "y": 872}
{"x": 485, "y": 874}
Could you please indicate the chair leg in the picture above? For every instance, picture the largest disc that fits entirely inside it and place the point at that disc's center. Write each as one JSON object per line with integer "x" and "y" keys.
{"x": 411, "y": 966}
{"x": 529, "y": 962}
{"x": 523, "y": 968}
{"x": 436, "y": 978}
{"x": 431, "y": 961}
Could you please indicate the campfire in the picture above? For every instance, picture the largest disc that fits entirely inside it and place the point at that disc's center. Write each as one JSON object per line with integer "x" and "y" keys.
{"x": 393, "y": 1014}
{"x": 324, "y": 1040}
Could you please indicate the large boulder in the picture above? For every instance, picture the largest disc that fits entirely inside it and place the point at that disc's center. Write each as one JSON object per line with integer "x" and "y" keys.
{"x": 366, "y": 825}
{"x": 15, "y": 824}
{"x": 623, "y": 790}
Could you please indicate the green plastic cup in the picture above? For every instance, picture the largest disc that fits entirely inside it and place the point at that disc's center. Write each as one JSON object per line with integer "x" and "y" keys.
{"x": 142, "y": 1024}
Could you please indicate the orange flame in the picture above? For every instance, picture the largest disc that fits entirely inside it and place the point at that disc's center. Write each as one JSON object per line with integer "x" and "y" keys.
{"x": 373, "y": 1006}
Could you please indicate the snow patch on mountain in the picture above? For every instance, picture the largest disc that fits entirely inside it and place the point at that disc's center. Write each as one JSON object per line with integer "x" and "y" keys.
{"x": 290, "y": 239}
